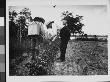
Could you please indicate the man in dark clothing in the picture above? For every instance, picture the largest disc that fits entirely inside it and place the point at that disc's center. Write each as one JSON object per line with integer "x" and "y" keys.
{"x": 65, "y": 37}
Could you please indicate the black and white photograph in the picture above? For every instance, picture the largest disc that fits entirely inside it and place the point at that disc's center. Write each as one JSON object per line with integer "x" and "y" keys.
{"x": 57, "y": 39}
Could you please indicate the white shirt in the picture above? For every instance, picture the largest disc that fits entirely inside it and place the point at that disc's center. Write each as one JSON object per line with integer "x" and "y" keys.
{"x": 50, "y": 32}
{"x": 34, "y": 28}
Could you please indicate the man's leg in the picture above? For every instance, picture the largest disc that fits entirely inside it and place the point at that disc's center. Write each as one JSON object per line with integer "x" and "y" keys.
{"x": 33, "y": 50}
{"x": 63, "y": 47}
{"x": 34, "y": 42}
{"x": 36, "y": 45}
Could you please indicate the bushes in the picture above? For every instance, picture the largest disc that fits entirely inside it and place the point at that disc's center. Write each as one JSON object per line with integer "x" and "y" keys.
{"x": 41, "y": 65}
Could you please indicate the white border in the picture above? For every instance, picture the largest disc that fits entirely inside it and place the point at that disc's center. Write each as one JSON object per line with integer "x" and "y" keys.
{"x": 48, "y": 78}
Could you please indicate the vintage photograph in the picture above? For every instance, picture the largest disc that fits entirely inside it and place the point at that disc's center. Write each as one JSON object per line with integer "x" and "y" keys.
{"x": 58, "y": 40}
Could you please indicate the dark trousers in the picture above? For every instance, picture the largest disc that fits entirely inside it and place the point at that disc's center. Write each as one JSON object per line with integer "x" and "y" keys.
{"x": 35, "y": 41}
{"x": 63, "y": 47}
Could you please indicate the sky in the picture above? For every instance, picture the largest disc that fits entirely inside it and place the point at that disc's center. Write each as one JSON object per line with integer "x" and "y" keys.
{"x": 94, "y": 16}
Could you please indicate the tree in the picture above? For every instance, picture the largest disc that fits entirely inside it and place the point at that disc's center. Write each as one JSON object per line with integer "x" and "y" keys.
{"x": 74, "y": 22}
{"x": 12, "y": 26}
{"x": 12, "y": 15}
{"x": 20, "y": 20}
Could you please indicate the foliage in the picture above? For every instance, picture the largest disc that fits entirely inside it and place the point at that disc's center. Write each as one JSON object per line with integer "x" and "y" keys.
{"x": 73, "y": 22}
{"x": 12, "y": 15}
{"x": 20, "y": 21}
{"x": 23, "y": 64}
{"x": 85, "y": 58}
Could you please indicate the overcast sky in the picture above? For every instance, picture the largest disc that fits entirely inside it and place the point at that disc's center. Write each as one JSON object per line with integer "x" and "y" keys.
{"x": 95, "y": 16}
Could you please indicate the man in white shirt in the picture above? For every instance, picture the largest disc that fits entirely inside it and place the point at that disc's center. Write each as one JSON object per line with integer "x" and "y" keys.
{"x": 34, "y": 32}
{"x": 34, "y": 28}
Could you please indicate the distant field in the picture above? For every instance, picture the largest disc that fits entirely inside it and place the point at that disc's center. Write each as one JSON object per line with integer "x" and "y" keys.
{"x": 90, "y": 38}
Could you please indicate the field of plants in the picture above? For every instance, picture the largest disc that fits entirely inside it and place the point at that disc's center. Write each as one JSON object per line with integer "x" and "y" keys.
{"x": 82, "y": 58}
